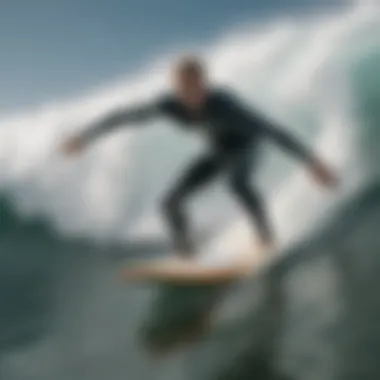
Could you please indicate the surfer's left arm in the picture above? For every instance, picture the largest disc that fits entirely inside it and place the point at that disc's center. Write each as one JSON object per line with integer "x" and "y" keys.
{"x": 265, "y": 127}
{"x": 252, "y": 119}
{"x": 322, "y": 173}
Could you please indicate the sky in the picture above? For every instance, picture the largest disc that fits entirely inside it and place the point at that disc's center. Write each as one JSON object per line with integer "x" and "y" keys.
{"x": 55, "y": 49}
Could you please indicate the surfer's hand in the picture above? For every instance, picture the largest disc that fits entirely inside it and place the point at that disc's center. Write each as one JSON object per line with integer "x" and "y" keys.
{"x": 73, "y": 145}
{"x": 323, "y": 174}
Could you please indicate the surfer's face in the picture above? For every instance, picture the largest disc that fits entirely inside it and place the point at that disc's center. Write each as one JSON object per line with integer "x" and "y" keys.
{"x": 189, "y": 85}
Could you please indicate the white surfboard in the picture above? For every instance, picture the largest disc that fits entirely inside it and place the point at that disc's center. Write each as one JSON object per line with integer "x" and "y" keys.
{"x": 192, "y": 271}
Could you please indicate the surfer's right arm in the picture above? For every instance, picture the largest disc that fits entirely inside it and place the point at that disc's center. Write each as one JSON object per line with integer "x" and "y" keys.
{"x": 120, "y": 117}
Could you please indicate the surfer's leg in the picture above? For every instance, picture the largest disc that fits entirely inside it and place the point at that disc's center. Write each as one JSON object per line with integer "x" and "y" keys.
{"x": 196, "y": 176}
{"x": 248, "y": 196}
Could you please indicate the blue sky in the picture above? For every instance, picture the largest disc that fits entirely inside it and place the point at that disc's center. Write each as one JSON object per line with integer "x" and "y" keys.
{"x": 57, "y": 48}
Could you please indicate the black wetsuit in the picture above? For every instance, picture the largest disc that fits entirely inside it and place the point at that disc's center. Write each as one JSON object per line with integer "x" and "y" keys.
{"x": 233, "y": 133}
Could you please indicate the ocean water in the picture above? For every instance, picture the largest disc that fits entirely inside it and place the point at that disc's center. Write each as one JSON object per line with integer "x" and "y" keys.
{"x": 68, "y": 225}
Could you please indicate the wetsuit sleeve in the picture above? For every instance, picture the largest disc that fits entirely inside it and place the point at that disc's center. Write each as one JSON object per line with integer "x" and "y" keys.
{"x": 124, "y": 116}
{"x": 263, "y": 126}
{"x": 285, "y": 139}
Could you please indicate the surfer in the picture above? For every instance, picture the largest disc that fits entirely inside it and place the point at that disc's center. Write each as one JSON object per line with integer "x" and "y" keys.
{"x": 233, "y": 132}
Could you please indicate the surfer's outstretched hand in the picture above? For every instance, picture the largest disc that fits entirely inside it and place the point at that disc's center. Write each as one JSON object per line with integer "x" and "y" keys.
{"x": 323, "y": 174}
{"x": 73, "y": 145}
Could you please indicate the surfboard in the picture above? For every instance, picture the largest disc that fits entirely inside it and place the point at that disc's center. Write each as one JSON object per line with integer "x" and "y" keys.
{"x": 189, "y": 271}
{"x": 187, "y": 293}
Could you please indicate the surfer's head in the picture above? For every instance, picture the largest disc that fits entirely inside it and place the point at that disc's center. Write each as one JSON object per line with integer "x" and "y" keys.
{"x": 189, "y": 77}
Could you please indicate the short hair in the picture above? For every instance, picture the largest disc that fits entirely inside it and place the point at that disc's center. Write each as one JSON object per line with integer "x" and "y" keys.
{"x": 190, "y": 64}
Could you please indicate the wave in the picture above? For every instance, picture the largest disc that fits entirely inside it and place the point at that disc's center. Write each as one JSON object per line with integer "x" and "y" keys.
{"x": 67, "y": 315}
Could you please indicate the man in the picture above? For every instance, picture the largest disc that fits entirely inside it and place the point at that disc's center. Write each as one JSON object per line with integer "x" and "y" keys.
{"x": 233, "y": 133}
